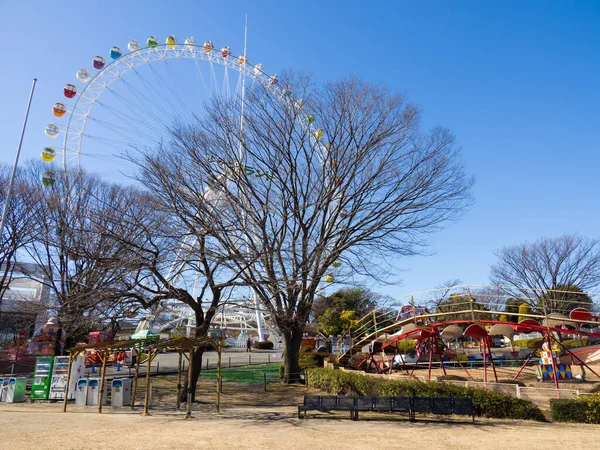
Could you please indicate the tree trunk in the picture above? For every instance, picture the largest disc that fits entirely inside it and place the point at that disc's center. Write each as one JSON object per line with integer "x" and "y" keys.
{"x": 57, "y": 339}
{"x": 292, "y": 340}
{"x": 196, "y": 361}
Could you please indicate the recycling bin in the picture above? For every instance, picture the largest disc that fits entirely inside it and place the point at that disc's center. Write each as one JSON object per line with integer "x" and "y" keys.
{"x": 16, "y": 390}
{"x": 92, "y": 392}
{"x": 121, "y": 392}
{"x": 81, "y": 393}
{"x": 3, "y": 386}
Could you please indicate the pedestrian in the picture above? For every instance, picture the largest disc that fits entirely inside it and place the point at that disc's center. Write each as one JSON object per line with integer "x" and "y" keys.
{"x": 249, "y": 345}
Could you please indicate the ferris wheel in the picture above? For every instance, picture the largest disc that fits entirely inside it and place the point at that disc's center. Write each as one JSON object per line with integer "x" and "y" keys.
{"x": 130, "y": 99}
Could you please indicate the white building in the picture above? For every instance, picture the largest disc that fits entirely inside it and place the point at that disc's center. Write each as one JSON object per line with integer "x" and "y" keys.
{"x": 23, "y": 306}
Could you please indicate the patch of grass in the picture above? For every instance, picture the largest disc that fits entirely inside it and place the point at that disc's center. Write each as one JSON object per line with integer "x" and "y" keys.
{"x": 245, "y": 374}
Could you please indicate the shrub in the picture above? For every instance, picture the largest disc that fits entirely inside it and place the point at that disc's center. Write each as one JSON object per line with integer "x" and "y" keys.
{"x": 333, "y": 358}
{"x": 311, "y": 360}
{"x": 406, "y": 346}
{"x": 263, "y": 345}
{"x": 592, "y": 415}
{"x": 574, "y": 343}
{"x": 485, "y": 403}
{"x": 581, "y": 410}
{"x": 568, "y": 410}
{"x": 529, "y": 343}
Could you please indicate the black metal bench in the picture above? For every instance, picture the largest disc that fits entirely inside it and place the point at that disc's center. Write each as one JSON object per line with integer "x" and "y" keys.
{"x": 410, "y": 405}
{"x": 462, "y": 406}
{"x": 327, "y": 403}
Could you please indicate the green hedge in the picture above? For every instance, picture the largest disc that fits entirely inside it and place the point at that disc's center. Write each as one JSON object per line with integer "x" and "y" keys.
{"x": 310, "y": 360}
{"x": 263, "y": 345}
{"x": 580, "y": 410}
{"x": 485, "y": 403}
{"x": 533, "y": 342}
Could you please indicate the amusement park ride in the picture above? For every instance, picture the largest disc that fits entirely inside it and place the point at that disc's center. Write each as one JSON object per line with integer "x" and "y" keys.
{"x": 433, "y": 337}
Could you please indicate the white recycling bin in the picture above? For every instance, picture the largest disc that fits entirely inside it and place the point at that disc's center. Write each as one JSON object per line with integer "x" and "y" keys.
{"x": 16, "y": 390}
{"x": 81, "y": 393}
{"x": 121, "y": 392}
{"x": 92, "y": 392}
{"x": 3, "y": 385}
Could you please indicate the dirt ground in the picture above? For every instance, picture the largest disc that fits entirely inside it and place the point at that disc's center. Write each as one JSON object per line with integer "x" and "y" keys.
{"x": 272, "y": 425}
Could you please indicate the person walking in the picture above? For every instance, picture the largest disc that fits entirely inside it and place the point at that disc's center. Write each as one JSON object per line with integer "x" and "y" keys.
{"x": 249, "y": 345}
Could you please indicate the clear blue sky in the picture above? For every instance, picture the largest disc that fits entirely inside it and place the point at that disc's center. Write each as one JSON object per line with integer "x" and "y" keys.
{"x": 518, "y": 83}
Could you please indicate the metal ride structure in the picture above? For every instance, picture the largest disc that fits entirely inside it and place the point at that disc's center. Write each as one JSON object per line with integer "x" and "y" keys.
{"x": 128, "y": 105}
{"x": 439, "y": 319}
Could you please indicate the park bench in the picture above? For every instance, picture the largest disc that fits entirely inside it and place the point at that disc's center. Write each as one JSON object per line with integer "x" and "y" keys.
{"x": 327, "y": 403}
{"x": 410, "y": 405}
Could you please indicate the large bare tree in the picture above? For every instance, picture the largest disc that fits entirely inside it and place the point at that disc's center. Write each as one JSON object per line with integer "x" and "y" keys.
{"x": 344, "y": 175}
{"x": 530, "y": 271}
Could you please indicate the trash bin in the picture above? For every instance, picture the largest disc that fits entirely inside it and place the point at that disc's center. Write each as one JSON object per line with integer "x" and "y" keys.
{"x": 92, "y": 392}
{"x": 16, "y": 390}
{"x": 3, "y": 382}
{"x": 121, "y": 392}
{"x": 81, "y": 393}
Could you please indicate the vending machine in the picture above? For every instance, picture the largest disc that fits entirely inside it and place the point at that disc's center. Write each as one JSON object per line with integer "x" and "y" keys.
{"x": 40, "y": 389}
{"x": 59, "y": 376}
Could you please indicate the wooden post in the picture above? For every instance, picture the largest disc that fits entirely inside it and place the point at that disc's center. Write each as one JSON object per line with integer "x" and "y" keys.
{"x": 137, "y": 372}
{"x": 265, "y": 380}
{"x": 147, "y": 397}
{"x": 179, "y": 380}
{"x": 489, "y": 346}
{"x": 375, "y": 324}
{"x": 549, "y": 340}
{"x": 189, "y": 384}
{"x": 430, "y": 356}
{"x": 67, "y": 385}
{"x": 101, "y": 392}
{"x": 219, "y": 379}
{"x": 484, "y": 364}
{"x": 471, "y": 303}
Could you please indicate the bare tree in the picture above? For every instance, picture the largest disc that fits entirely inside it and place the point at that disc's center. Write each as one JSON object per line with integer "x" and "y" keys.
{"x": 73, "y": 247}
{"x": 529, "y": 271}
{"x": 20, "y": 224}
{"x": 363, "y": 187}
{"x": 172, "y": 260}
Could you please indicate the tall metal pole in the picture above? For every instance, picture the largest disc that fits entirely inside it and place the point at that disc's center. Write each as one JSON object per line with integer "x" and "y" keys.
{"x": 14, "y": 170}
{"x": 259, "y": 324}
